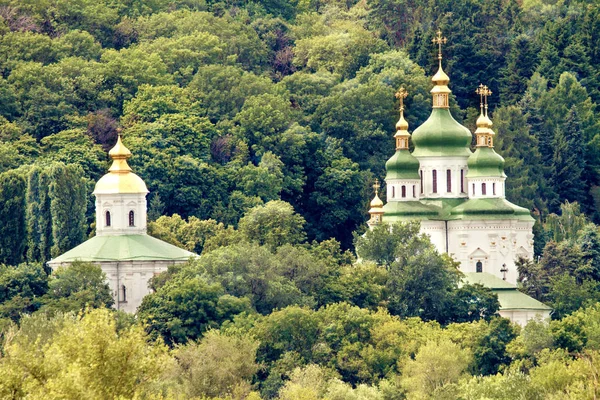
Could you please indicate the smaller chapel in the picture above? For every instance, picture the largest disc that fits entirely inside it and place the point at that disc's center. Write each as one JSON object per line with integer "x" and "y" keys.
{"x": 126, "y": 253}
{"x": 458, "y": 195}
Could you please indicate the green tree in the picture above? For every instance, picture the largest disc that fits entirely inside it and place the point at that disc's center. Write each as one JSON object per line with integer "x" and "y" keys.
{"x": 13, "y": 231}
{"x": 80, "y": 357}
{"x": 184, "y": 308}
{"x": 274, "y": 224}
{"x": 68, "y": 204}
{"x": 39, "y": 219}
{"x": 21, "y": 289}
{"x": 218, "y": 365}
{"x": 436, "y": 365}
{"x": 76, "y": 287}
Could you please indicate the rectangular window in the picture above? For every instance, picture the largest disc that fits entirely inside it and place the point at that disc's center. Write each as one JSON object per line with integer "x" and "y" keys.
{"x": 403, "y": 191}
{"x": 421, "y": 172}
{"x": 473, "y": 189}
{"x": 483, "y": 190}
{"x": 414, "y": 192}
{"x": 494, "y": 189}
{"x": 449, "y": 180}
{"x": 434, "y": 178}
{"x": 462, "y": 180}
{"x": 393, "y": 192}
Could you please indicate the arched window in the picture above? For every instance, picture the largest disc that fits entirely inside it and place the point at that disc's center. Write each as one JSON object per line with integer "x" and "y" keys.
{"x": 123, "y": 293}
{"x": 473, "y": 189}
{"x": 421, "y": 172}
{"x": 131, "y": 218}
{"x": 449, "y": 180}
{"x": 403, "y": 191}
{"x": 434, "y": 178}
{"x": 479, "y": 266}
{"x": 462, "y": 180}
{"x": 494, "y": 188}
{"x": 483, "y": 190}
{"x": 393, "y": 192}
{"x": 107, "y": 218}
{"x": 414, "y": 192}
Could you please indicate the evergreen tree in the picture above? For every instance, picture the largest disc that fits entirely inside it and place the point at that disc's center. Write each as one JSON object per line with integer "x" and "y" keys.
{"x": 68, "y": 203}
{"x": 519, "y": 148}
{"x": 520, "y": 65}
{"x": 39, "y": 220}
{"x": 13, "y": 232}
{"x": 568, "y": 163}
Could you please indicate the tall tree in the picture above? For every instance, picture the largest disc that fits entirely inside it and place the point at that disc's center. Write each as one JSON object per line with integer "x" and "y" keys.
{"x": 68, "y": 204}
{"x": 13, "y": 231}
{"x": 39, "y": 218}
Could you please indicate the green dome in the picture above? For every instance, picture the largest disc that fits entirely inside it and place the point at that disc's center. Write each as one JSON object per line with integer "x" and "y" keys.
{"x": 441, "y": 135}
{"x": 485, "y": 162}
{"x": 402, "y": 165}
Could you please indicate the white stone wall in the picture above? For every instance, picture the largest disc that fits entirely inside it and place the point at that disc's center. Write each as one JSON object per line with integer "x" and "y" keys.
{"x": 120, "y": 205}
{"x": 437, "y": 232}
{"x": 491, "y": 242}
{"x": 458, "y": 186}
{"x": 521, "y": 317}
{"x": 394, "y": 189}
{"x": 494, "y": 188}
{"x": 134, "y": 275}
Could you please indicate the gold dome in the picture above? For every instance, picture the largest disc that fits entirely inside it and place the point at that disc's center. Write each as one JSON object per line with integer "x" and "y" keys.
{"x": 440, "y": 78}
{"x": 113, "y": 183}
{"x": 402, "y": 124}
{"x": 120, "y": 179}
{"x": 376, "y": 202}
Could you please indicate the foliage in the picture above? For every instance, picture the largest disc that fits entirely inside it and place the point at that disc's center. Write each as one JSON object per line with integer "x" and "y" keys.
{"x": 183, "y": 309}
{"x": 216, "y": 366}
{"x": 69, "y": 356}
{"x": 12, "y": 217}
{"x": 76, "y": 287}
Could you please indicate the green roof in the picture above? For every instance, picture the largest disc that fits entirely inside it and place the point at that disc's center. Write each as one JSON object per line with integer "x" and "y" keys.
{"x": 444, "y": 205}
{"x": 509, "y": 296}
{"x": 441, "y": 135}
{"x": 124, "y": 248}
{"x": 402, "y": 165}
{"x": 488, "y": 280}
{"x": 408, "y": 210}
{"x": 494, "y": 208}
{"x": 485, "y": 162}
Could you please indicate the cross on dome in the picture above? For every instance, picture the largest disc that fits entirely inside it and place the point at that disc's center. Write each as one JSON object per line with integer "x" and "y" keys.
{"x": 439, "y": 40}
{"x": 401, "y": 94}
{"x": 376, "y": 186}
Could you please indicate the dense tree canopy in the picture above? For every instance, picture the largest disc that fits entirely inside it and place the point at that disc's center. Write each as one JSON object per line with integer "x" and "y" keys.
{"x": 257, "y": 127}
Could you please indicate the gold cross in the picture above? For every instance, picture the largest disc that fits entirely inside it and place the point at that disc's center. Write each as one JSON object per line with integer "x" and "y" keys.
{"x": 439, "y": 40}
{"x": 401, "y": 94}
{"x": 480, "y": 92}
{"x": 486, "y": 92}
{"x": 483, "y": 91}
{"x": 376, "y": 186}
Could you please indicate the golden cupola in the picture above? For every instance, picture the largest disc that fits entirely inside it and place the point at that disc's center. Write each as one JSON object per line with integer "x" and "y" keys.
{"x": 402, "y": 136}
{"x": 484, "y": 134}
{"x": 120, "y": 179}
{"x": 376, "y": 210}
{"x": 440, "y": 90}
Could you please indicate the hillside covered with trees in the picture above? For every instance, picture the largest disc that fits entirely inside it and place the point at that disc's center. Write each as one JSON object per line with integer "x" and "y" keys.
{"x": 259, "y": 128}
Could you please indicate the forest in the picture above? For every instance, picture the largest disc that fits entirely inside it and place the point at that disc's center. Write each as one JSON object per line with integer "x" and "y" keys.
{"x": 259, "y": 128}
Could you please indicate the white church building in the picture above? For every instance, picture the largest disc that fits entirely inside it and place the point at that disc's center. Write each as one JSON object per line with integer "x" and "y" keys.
{"x": 458, "y": 195}
{"x": 126, "y": 253}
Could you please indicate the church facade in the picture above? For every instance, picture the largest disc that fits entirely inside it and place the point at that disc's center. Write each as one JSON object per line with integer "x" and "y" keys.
{"x": 457, "y": 194}
{"x": 126, "y": 253}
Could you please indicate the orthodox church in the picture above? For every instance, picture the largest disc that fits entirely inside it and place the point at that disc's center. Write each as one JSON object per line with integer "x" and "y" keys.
{"x": 459, "y": 197}
{"x": 126, "y": 253}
